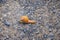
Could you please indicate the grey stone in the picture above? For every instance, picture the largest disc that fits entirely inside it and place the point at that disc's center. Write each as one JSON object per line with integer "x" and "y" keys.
{"x": 6, "y": 23}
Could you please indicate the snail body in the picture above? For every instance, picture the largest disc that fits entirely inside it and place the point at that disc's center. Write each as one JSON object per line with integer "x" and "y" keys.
{"x": 25, "y": 19}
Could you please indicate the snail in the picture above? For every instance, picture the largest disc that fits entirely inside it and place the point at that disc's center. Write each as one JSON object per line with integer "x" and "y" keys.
{"x": 25, "y": 19}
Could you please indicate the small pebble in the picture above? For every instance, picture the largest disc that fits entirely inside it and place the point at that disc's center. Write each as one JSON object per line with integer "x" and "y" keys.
{"x": 50, "y": 30}
{"x": 22, "y": 34}
{"x": 0, "y": 29}
{"x": 6, "y": 23}
{"x": 0, "y": 18}
{"x": 45, "y": 36}
{"x": 2, "y": 1}
{"x": 4, "y": 15}
{"x": 51, "y": 35}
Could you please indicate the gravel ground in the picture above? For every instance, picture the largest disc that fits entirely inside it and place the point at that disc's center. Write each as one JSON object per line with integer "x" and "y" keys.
{"x": 45, "y": 12}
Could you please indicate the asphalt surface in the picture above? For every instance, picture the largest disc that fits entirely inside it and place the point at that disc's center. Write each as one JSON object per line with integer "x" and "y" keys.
{"x": 45, "y": 12}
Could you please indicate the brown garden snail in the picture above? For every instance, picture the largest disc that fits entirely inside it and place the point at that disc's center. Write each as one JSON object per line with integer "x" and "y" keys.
{"x": 25, "y": 19}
